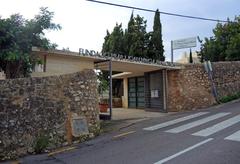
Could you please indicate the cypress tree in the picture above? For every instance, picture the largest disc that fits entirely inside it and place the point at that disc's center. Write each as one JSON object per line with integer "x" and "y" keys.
{"x": 157, "y": 38}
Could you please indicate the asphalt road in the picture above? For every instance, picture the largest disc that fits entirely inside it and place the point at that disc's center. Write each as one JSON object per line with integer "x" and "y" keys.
{"x": 207, "y": 136}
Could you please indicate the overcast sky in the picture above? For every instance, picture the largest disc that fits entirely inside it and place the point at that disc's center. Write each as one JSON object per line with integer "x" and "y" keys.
{"x": 84, "y": 23}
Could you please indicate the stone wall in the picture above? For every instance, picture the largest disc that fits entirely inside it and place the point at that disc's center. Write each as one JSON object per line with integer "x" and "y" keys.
{"x": 226, "y": 77}
{"x": 35, "y": 107}
{"x": 190, "y": 88}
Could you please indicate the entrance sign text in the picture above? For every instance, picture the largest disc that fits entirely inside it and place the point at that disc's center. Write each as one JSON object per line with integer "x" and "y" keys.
{"x": 107, "y": 56}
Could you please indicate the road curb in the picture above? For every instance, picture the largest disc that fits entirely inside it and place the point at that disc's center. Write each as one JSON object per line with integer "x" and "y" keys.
{"x": 227, "y": 103}
{"x": 61, "y": 151}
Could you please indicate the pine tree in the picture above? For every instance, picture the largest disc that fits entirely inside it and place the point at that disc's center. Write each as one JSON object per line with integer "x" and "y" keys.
{"x": 157, "y": 38}
{"x": 116, "y": 40}
{"x": 105, "y": 47}
{"x": 113, "y": 43}
{"x": 135, "y": 41}
{"x": 190, "y": 56}
{"x": 125, "y": 43}
{"x": 150, "y": 47}
{"x": 138, "y": 46}
{"x": 129, "y": 34}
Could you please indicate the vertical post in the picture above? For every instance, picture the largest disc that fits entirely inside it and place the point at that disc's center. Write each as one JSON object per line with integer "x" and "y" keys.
{"x": 214, "y": 91}
{"x": 110, "y": 87}
{"x": 171, "y": 51}
{"x": 164, "y": 72}
{"x": 125, "y": 92}
{"x": 210, "y": 72}
{"x": 208, "y": 68}
{"x": 45, "y": 63}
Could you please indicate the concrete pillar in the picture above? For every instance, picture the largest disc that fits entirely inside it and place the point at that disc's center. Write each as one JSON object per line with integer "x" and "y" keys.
{"x": 125, "y": 93}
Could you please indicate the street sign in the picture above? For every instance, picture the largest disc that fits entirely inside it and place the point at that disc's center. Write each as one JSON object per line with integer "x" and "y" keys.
{"x": 184, "y": 43}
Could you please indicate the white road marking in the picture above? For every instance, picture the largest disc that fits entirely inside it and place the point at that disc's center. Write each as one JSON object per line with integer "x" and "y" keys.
{"x": 172, "y": 122}
{"x": 183, "y": 151}
{"x": 218, "y": 127}
{"x": 234, "y": 137}
{"x": 196, "y": 123}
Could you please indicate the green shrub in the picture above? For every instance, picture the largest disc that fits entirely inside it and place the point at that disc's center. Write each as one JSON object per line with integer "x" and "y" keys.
{"x": 225, "y": 99}
{"x": 41, "y": 143}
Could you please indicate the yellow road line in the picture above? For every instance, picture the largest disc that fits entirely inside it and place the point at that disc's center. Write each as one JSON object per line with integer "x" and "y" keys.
{"x": 60, "y": 151}
{"x": 124, "y": 134}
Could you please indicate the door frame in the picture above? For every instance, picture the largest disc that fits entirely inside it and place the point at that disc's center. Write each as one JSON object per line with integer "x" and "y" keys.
{"x": 136, "y": 92}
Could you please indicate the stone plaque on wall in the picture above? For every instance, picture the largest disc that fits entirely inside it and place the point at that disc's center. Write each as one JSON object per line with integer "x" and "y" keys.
{"x": 2, "y": 76}
{"x": 79, "y": 126}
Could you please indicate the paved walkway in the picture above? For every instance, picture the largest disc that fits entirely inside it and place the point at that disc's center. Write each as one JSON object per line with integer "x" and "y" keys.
{"x": 123, "y": 114}
{"x": 123, "y": 117}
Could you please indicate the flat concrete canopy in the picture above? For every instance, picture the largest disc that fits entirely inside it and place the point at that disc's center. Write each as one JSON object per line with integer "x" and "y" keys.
{"x": 128, "y": 67}
{"x": 133, "y": 68}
